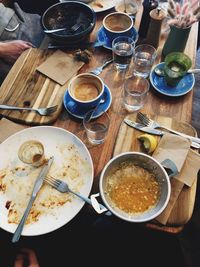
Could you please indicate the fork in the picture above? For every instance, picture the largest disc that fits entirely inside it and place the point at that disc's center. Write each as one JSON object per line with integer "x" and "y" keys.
{"x": 64, "y": 188}
{"x": 98, "y": 70}
{"x": 75, "y": 27}
{"x": 42, "y": 111}
{"x": 143, "y": 118}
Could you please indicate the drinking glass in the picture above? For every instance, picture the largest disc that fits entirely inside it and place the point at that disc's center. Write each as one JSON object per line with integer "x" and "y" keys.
{"x": 97, "y": 128}
{"x": 123, "y": 48}
{"x": 144, "y": 58}
{"x": 135, "y": 92}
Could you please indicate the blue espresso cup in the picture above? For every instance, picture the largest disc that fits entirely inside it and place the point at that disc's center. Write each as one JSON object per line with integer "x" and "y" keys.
{"x": 86, "y": 90}
{"x": 117, "y": 24}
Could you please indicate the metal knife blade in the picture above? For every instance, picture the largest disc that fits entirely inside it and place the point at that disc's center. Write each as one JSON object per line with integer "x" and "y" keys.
{"x": 150, "y": 130}
{"x": 143, "y": 128}
{"x": 36, "y": 188}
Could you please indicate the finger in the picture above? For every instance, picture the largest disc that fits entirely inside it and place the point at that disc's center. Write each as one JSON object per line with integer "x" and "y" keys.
{"x": 19, "y": 261}
{"x": 31, "y": 256}
{"x": 29, "y": 44}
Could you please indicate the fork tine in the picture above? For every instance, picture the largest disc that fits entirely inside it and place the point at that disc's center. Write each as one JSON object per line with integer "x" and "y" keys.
{"x": 54, "y": 182}
{"x": 143, "y": 118}
{"x": 50, "y": 110}
{"x": 50, "y": 182}
{"x": 53, "y": 108}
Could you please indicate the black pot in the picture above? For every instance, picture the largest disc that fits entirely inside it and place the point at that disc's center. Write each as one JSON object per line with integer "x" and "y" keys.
{"x": 66, "y": 14}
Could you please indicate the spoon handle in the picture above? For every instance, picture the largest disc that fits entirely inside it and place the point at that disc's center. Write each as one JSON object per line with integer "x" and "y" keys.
{"x": 194, "y": 71}
{"x": 54, "y": 30}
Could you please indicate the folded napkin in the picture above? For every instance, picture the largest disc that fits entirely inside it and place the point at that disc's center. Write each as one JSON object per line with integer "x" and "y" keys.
{"x": 177, "y": 149}
{"x": 8, "y": 128}
{"x": 60, "y": 67}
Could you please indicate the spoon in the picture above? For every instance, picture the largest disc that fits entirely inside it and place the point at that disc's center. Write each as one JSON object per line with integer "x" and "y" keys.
{"x": 160, "y": 72}
{"x": 125, "y": 7}
{"x": 54, "y": 30}
{"x": 90, "y": 114}
{"x": 74, "y": 28}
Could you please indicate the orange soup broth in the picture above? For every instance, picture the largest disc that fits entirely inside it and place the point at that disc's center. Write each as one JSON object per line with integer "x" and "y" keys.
{"x": 133, "y": 189}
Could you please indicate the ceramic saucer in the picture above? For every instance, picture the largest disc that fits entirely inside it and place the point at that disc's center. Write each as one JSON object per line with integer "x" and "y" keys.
{"x": 103, "y": 39}
{"x": 183, "y": 87}
{"x": 75, "y": 111}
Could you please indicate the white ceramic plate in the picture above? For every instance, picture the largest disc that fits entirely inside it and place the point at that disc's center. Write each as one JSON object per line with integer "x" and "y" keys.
{"x": 98, "y": 5}
{"x": 102, "y": 5}
{"x": 53, "y": 138}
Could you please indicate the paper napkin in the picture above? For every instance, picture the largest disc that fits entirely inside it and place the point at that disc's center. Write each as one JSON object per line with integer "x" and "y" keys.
{"x": 8, "y": 128}
{"x": 177, "y": 149}
{"x": 60, "y": 67}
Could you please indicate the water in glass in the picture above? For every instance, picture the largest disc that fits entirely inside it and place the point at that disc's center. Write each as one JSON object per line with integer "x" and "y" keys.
{"x": 123, "y": 48}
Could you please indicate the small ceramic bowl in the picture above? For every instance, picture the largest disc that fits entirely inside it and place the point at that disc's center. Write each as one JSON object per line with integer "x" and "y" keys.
{"x": 32, "y": 152}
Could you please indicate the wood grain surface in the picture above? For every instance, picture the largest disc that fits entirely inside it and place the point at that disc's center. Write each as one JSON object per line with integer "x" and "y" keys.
{"x": 127, "y": 141}
{"x": 26, "y": 87}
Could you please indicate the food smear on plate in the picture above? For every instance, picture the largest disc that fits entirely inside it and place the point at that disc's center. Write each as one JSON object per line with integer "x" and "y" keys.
{"x": 17, "y": 181}
{"x": 98, "y": 4}
{"x": 132, "y": 188}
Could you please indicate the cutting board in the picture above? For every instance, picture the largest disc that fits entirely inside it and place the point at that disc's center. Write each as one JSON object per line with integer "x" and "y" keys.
{"x": 127, "y": 141}
{"x": 24, "y": 86}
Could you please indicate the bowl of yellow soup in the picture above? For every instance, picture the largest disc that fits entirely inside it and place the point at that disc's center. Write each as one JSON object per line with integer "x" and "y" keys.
{"x": 135, "y": 187}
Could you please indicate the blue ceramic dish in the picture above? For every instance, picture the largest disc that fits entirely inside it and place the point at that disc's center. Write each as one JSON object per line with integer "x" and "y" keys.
{"x": 72, "y": 107}
{"x": 103, "y": 39}
{"x": 183, "y": 87}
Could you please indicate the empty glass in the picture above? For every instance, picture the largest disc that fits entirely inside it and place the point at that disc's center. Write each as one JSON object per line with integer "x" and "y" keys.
{"x": 97, "y": 128}
{"x": 123, "y": 48}
{"x": 144, "y": 58}
{"x": 135, "y": 92}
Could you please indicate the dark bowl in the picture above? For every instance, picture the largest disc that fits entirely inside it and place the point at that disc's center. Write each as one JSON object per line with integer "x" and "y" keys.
{"x": 66, "y": 14}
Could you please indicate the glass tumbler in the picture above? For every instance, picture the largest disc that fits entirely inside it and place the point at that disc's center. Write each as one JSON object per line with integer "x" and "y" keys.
{"x": 135, "y": 92}
{"x": 144, "y": 58}
{"x": 122, "y": 49}
{"x": 96, "y": 128}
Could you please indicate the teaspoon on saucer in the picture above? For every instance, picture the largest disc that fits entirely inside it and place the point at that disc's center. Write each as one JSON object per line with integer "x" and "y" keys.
{"x": 160, "y": 71}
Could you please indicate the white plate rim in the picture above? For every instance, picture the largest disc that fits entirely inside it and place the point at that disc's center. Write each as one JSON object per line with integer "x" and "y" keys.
{"x": 98, "y": 10}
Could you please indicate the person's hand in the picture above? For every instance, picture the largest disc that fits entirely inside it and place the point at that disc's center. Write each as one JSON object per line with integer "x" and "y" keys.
{"x": 26, "y": 255}
{"x": 11, "y": 50}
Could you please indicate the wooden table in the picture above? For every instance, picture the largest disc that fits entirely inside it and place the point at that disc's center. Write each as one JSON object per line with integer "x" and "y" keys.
{"x": 180, "y": 108}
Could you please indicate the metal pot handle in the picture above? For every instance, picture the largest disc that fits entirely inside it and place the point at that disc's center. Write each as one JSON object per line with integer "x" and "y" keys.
{"x": 99, "y": 208}
{"x": 170, "y": 167}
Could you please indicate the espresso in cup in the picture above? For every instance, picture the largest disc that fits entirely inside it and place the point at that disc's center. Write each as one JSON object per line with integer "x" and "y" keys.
{"x": 86, "y": 90}
{"x": 116, "y": 24}
{"x": 85, "y": 87}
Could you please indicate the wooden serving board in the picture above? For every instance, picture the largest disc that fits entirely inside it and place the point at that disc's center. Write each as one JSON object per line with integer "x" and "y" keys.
{"x": 24, "y": 86}
{"x": 127, "y": 141}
